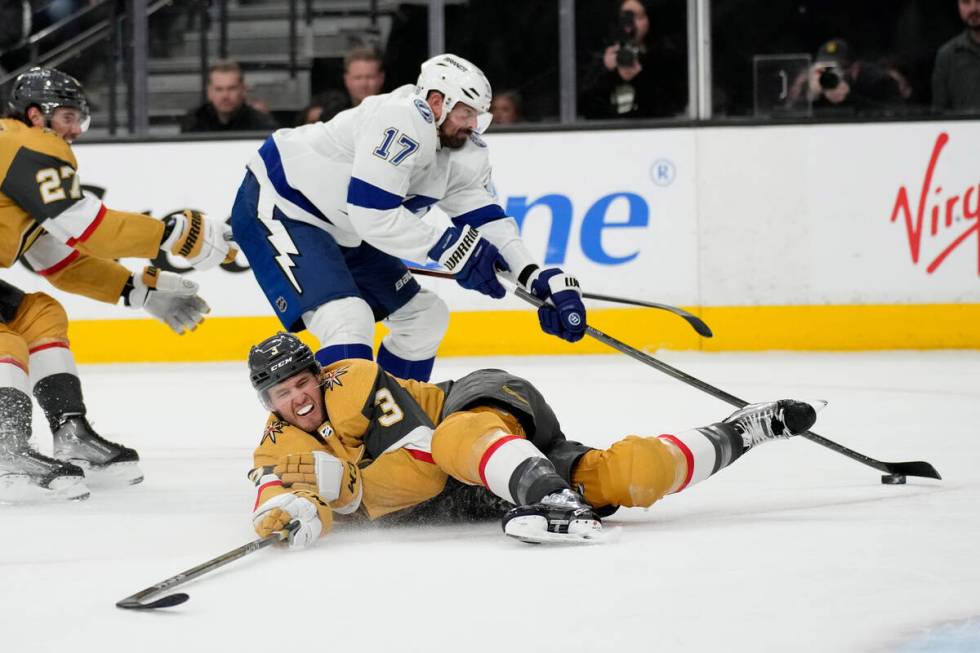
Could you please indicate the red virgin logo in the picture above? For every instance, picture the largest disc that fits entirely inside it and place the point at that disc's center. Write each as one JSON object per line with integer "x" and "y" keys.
{"x": 945, "y": 211}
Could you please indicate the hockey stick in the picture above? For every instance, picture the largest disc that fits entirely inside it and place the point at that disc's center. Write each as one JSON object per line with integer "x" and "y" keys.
{"x": 135, "y": 602}
{"x": 916, "y": 468}
{"x": 696, "y": 323}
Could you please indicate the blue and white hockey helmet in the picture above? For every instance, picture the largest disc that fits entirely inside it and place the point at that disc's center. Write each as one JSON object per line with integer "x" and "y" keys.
{"x": 459, "y": 81}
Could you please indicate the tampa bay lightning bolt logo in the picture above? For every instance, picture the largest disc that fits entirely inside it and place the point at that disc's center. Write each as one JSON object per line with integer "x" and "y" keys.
{"x": 425, "y": 110}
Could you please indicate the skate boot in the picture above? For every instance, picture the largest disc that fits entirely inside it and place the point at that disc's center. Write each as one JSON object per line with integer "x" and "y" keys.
{"x": 104, "y": 462}
{"x": 758, "y": 423}
{"x": 559, "y": 517}
{"x": 27, "y": 475}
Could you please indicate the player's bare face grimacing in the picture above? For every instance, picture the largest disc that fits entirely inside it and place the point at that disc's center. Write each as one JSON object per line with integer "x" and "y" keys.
{"x": 299, "y": 401}
{"x": 458, "y": 126}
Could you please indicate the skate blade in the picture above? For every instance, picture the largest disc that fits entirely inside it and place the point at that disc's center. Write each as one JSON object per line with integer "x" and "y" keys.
{"x": 532, "y": 529}
{"x": 114, "y": 475}
{"x": 18, "y": 488}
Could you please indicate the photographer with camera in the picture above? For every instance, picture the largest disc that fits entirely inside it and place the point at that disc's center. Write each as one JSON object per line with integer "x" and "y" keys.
{"x": 634, "y": 77}
{"x": 838, "y": 85}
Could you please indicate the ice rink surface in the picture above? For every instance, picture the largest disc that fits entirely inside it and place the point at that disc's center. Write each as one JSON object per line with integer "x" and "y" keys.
{"x": 793, "y": 548}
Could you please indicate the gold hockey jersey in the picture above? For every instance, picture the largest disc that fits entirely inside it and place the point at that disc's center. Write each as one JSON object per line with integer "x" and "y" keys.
{"x": 67, "y": 236}
{"x": 379, "y": 422}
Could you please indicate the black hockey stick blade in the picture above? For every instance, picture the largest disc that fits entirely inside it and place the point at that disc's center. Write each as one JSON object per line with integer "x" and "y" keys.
{"x": 915, "y": 468}
{"x": 696, "y": 323}
{"x": 163, "y": 602}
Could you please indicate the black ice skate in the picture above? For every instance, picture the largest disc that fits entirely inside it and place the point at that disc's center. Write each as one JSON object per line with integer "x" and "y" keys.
{"x": 104, "y": 462}
{"x": 27, "y": 475}
{"x": 758, "y": 423}
{"x": 560, "y": 517}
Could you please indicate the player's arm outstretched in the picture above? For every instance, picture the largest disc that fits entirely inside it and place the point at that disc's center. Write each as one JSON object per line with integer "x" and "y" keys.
{"x": 285, "y": 461}
{"x": 166, "y": 296}
{"x": 48, "y": 188}
{"x": 472, "y": 202}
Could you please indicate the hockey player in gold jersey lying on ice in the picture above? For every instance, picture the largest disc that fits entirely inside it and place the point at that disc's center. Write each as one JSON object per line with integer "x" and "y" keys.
{"x": 350, "y": 438}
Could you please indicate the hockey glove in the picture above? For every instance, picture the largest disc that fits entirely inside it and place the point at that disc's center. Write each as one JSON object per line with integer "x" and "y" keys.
{"x": 203, "y": 242}
{"x": 472, "y": 259}
{"x": 565, "y": 315}
{"x": 167, "y": 296}
{"x": 336, "y": 481}
{"x": 274, "y": 514}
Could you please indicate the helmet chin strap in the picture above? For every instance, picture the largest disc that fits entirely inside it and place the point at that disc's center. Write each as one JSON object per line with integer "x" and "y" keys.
{"x": 445, "y": 111}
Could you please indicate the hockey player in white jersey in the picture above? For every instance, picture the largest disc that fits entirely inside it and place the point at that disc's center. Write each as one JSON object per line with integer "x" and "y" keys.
{"x": 327, "y": 212}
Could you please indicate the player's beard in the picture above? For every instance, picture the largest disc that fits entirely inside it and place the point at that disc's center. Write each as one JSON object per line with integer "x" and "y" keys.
{"x": 455, "y": 141}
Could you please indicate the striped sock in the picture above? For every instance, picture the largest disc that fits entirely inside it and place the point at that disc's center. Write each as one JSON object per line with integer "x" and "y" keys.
{"x": 707, "y": 450}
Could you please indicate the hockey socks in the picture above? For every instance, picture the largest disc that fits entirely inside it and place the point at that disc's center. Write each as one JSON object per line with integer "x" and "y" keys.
{"x": 59, "y": 395}
{"x": 404, "y": 368}
{"x": 709, "y": 449}
{"x": 705, "y": 451}
{"x": 515, "y": 470}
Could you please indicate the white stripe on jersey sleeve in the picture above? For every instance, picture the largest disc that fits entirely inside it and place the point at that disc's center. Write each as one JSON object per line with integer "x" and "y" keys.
{"x": 74, "y": 223}
{"x": 47, "y": 254}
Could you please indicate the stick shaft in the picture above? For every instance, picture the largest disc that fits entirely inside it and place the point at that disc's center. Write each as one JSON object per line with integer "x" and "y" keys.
{"x": 911, "y": 469}
{"x": 205, "y": 567}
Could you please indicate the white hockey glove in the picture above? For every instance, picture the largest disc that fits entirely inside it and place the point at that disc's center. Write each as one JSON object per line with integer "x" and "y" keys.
{"x": 338, "y": 482}
{"x": 168, "y": 297}
{"x": 274, "y": 514}
{"x": 203, "y": 242}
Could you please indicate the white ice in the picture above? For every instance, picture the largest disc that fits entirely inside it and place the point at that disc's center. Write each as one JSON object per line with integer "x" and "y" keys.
{"x": 793, "y": 548}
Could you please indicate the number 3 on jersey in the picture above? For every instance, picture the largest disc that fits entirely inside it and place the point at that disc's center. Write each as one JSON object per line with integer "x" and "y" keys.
{"x": 406, "y": 149}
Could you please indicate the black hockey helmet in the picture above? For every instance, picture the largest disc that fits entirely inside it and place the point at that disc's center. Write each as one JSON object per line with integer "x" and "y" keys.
{"x": 48, "y": 89}
{"x": 278, "y": 358}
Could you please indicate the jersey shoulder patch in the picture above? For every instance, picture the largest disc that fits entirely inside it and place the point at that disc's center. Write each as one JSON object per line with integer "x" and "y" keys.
{"x": 425, "y": 110}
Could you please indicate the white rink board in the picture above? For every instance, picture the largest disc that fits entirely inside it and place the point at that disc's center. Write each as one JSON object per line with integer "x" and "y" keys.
{"x": 696, "y": 217}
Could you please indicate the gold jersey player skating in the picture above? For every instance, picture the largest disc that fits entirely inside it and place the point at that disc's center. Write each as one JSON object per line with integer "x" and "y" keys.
{"x": 71, "y": 239}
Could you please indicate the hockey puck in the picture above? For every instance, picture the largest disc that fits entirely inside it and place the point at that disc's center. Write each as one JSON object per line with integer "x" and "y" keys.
{"x": 893, "y": 479}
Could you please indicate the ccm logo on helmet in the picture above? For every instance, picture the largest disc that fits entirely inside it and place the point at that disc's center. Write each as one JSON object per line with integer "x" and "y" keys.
{"x": 285, "y": 361}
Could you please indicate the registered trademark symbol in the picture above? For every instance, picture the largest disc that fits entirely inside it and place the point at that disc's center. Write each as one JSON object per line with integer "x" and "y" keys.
{"x": 663, "y": 172}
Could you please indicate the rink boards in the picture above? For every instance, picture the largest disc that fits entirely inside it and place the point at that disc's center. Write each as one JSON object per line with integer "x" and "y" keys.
{"x": 860, "y": 236}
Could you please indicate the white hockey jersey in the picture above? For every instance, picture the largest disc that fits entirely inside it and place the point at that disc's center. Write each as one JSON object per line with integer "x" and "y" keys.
{"x": 372, "y": 171}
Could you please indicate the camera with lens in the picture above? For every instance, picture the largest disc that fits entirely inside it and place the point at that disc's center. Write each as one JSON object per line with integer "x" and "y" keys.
{"x": 830, "y": 78}
{"x": 628, "y": 51}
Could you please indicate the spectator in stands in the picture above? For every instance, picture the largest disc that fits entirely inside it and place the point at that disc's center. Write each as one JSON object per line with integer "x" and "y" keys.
{"x": 363, "y": 77}
{"x": 837, "y": 84}
{"x": 506, "y": 108}
{"x": 956, "y": 75}
{"x": 227, "y": 108}
{"x": 363, "y": 74}
{"x": 634, "y": 77}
